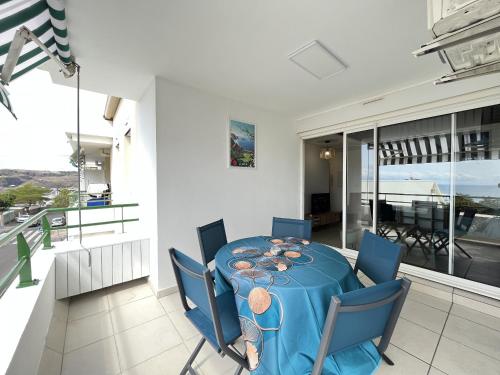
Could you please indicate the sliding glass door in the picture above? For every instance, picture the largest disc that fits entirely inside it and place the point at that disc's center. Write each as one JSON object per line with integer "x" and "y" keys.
{"x": 476, "y": 237}
{"x": 414, "y": 189}
{"x": 431, "y": 185}
{"x": 360, "y": 159}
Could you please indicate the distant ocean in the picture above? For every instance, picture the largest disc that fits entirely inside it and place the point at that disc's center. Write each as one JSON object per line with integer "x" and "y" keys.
{"x": 473, "y": 190}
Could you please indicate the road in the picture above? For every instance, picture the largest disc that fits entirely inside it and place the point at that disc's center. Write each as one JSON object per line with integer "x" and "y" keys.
{"x": 8, "y": 253}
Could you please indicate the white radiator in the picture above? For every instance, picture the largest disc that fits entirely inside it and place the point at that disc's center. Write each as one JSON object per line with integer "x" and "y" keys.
{"x": 110, "y": 265}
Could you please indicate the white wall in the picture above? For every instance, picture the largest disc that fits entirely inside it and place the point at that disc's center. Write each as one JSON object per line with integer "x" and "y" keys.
{"x": 402, "y": 105}
{"x": 25, "y": 316}
{"x": 316, "y": 178}
{"x": 145, "y": 175}
{"x": 195, "y": 185}
{"x": 122, "y": 153}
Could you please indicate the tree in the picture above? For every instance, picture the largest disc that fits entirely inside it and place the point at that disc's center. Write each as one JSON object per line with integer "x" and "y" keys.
{"x": 62, "y": 200}
{"x": 29, "y": 194}
{"x": 6, "y": 200}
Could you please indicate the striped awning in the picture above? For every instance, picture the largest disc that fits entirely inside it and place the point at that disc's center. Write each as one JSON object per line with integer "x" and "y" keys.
{"x": 46, "y": 19}
{"x": 4, "y": 99}
{"x": 472, "y": 145}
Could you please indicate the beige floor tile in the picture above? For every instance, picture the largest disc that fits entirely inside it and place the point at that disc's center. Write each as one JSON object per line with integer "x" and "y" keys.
{"x": 172, "y": 302}
{"x": 424, "y": 315}
{"x": 477, "y": 297}
{"x": 183, "y": 325}
{"x": 56, "y": 334}
{"x": 477, "y": 304}
{"x": 431, "y": 284}
{"x": 61, "y": 308}
{"x": 429, "y": 288}
{"x": 476, "y": 316}
{"x": 87, "y": 304}
{"x": 99, "y": 358}
{"x": 169, "y": 362}
{"x": 404, "y": 363}
{"x": 456, "y": 359}
{"x": 87, "y": 330}
{"x": 128, "y": 292}
{"x": 427, "y": 299}
{"x": 143, "y": 342}
{"x": 50, "y": 364}
{"x": 415, "y": 339}
{"x": 208, "y": 360}
{"x": 134, "y": 313}
{"x": 435, "y": 371}
{"x": 473, "y": 335}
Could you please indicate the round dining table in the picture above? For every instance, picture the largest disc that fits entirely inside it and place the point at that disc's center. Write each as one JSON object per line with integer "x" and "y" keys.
{"x": 283, "y": 288}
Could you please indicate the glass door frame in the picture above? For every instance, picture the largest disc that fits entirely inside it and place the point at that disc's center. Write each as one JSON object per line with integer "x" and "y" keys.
{"x": 344, "y": 179}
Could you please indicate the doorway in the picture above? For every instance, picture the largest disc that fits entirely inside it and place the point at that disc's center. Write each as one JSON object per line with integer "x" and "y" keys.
{"x": 323, "y": 187}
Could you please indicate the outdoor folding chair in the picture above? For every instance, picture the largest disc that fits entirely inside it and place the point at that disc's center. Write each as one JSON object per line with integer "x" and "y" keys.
{"x": 362, "y": 315}
{"x": 378, "y": 258}
{"x": 386, "y": 225}
{"x": 283, "y": 227}
{"x": 462, "y": 226}
{"x": 211, "y": 237}
{"x": 216, "y": 318}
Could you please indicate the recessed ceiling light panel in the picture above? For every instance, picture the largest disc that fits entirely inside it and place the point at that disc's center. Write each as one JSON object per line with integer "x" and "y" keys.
{"x": 315, "y": 59}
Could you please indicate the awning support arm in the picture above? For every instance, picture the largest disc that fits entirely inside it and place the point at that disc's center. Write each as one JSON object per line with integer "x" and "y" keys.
{"x": 22, "y": 36}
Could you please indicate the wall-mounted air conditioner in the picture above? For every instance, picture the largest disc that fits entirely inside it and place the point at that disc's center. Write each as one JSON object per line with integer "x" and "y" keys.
{"x": 467, "y": 36}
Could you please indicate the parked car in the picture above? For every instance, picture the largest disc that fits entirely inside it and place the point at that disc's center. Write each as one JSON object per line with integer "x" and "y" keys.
{"x": 58, "y": 221}
{"x": 22, "y": 218}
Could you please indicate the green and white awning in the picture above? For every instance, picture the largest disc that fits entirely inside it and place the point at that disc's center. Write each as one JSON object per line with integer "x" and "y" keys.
{"x": 4, "y": 99}
{"x": 47, "y": 20}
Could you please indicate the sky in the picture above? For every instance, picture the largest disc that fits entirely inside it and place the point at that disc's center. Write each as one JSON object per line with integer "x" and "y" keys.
{"x": 45, "y": 112}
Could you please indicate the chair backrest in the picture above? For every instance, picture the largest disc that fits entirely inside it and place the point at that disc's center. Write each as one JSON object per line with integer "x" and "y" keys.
{"x": 195, "y": 282}
{"x": 212, "y": 237}
{"x": 362, "y": 315}
{"x": 378, "y": 258}
{"x": 424, "y": 213}
{"x": 190, "y": 280}
{"x": 283, "y": 227}
{"x": 467, "y": 219}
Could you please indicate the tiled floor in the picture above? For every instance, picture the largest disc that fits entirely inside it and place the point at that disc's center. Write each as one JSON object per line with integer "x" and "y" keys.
{"x": 126, "y": 330}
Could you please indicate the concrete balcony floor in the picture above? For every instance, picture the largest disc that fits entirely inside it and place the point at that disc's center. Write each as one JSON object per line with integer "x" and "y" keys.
{"x": 126, "y": 330}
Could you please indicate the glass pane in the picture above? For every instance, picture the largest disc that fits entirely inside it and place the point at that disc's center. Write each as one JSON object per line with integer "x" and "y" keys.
{"x": 413, "y": 199}
{"x": 477, "y": 196}
{"x": 360, "y": 159}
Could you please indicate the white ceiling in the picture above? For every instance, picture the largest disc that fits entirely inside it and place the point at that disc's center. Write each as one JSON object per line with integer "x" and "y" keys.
{"x": 239, "y": 48}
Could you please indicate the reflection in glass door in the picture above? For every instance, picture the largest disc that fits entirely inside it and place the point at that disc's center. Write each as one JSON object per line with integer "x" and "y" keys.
{"x": 359, "y": 187}
{"x": 477, "y": 195}
{"x": 413, "y": 189}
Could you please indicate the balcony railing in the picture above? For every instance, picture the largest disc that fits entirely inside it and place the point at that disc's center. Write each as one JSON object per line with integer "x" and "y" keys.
{"x": 25, "y": 252}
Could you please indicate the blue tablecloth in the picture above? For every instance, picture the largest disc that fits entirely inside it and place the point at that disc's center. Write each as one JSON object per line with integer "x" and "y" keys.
{"x": 282, "y": 312}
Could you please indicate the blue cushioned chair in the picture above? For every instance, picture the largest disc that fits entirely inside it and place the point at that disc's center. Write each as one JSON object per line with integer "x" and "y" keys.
{"x": 283, "y": 227}
{"x": 216, "y": 318}
{"x": 378, "y": 258}
{"x": 362, "y": 315}
{"x": 212, "y": 237}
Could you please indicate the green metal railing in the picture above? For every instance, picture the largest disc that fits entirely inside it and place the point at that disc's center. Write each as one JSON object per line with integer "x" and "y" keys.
{"x": 25, "y": 252}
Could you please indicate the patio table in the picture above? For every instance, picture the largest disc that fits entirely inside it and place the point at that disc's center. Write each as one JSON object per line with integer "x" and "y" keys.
{"x": 283, "y": 301}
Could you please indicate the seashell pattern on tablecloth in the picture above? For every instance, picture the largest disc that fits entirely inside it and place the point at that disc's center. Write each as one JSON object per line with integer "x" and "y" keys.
{"x": 259, "y": 300}
{"x": 256, "y": 271}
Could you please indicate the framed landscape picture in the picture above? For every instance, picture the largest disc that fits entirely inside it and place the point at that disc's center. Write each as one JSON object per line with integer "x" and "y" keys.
{"x": 242, "y": 144}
